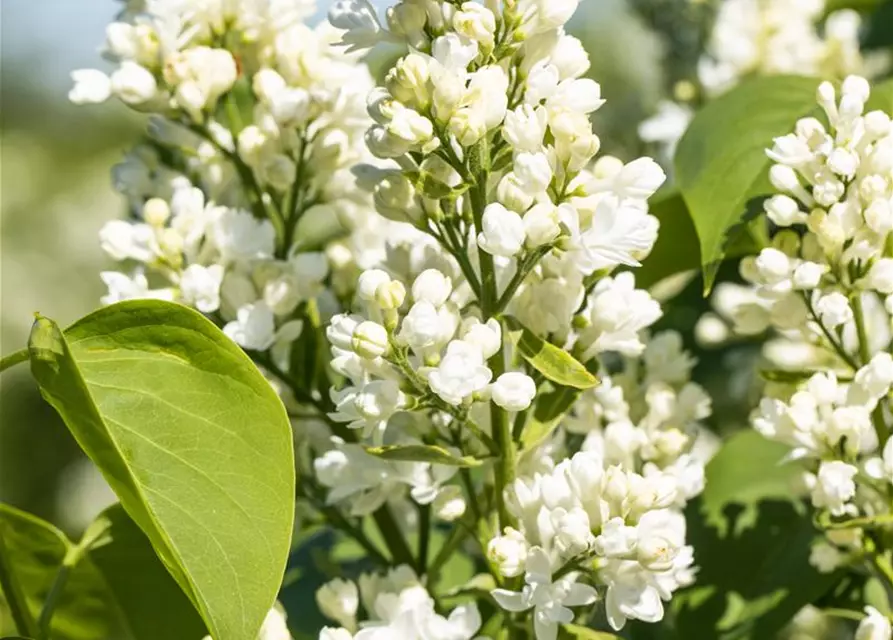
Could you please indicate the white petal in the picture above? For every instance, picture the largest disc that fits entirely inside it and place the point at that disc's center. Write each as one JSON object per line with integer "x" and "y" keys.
{"x": 580, "y": 594}
{"x": 510, "y": 600}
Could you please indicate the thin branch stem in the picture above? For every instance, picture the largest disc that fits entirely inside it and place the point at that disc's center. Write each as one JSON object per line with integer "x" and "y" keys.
{"x": 17, "y": 357}
{"x": 877, "y": 416}
{"x": 830, "y": 337}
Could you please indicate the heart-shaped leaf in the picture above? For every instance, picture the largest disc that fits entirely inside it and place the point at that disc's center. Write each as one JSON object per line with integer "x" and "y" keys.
{"x": 194, "y": 441}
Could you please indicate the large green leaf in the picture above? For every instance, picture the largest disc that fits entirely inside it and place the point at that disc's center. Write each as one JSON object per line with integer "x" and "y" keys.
{"x": 752, "y": 539}
{"x": 721, "y": 163}
{"x": 194, "y": 441}
{"x": 115, "y": 590}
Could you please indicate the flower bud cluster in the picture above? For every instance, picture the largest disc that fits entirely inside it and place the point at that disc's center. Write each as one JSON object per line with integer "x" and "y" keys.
{"x": 498, "y": 95}
{"x": 238, "y": 154}
{"x": 399, "y": 606}
{"x": 623, "y": 523}
{"x": 616, "y": 505}
{"x": 824, "y": 286}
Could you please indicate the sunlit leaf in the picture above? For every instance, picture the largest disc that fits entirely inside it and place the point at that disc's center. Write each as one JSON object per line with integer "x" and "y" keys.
{"x": 721, "y": 164}
{"x": 193, "y": 440}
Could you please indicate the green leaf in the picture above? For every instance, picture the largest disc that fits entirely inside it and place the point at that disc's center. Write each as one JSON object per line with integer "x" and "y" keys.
{"x": 721, "y": 163}
{"x": 131, "y": 570}
{"x": 115, "y": 590}
{"x": 879, "y": 34}
{"x": 752, "y": 540}
{"x": 677, "y": 249}
{"x": 554, "y": 363}
{"x": 550, "y": 410}
{"x": 193, "y": 440}
{"x": 881, "y": 98}
{"x": 422, "y": 453}
{"x": 585, "y": 633}
{"x": 33, "y": 551}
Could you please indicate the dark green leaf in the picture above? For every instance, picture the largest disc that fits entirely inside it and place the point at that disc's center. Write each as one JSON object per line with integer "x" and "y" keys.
{"x": 132, "y": 571}
{"x": 677, "y": 248}
{"x": 721, "y": 163}
{"x": 880, "y": 28}
{"x": 752, "y": 540}
{"x": 34, "y": 551}
{"x": 193, "y": 440}
{"x": 550, "y": 410}
{"x": 554, "y": 363}
{"x": 422, "y": 453}
{"x": 115, "y": 590}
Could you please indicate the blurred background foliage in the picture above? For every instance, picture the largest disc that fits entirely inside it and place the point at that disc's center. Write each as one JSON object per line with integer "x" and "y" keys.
{"x": 55, "y": 194}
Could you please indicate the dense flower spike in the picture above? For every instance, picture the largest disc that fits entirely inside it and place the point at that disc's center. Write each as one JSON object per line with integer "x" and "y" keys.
{"x": 824, "y": 286}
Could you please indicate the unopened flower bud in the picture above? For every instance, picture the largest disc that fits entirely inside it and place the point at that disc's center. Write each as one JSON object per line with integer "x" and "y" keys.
{"x": 370, "y": 340}
{"x": 509, "y": 552}
{"x": 156, "y": 212}
{"x": 390, "y": 295}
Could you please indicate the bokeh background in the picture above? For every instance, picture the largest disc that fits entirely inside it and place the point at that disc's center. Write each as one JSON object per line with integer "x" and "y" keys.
{"x": 55, "y": 194}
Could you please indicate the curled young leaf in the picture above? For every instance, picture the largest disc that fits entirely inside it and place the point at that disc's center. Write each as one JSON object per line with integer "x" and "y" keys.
{"x": 553, "y": 362}
{"x": 422, "y": 453}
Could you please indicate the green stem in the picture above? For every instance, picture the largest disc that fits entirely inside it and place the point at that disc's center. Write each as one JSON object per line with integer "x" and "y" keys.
{"x": 393, "y": 537}
{"x": 52, "y": 601}
{"x": 15, "y": 597}
{"x": 869, "y": 522}
{"x": 13, "y": 359}
{"x": 72, "y": 559}
{"x": 424, "y": 537}
{"x": 504, "y": 472}
{"x": 524, "y": 269}
{"x": 830, "y": 337}
{"x": 877, "y": 416}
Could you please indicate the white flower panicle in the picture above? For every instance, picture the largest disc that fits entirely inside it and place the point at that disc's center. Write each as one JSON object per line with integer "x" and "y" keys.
{"x": 399, "y": 606}
{"x": 256, "y": 122}
{"x": 823, "y": 285}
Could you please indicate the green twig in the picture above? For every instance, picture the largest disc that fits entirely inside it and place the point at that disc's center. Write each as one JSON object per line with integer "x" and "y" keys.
{"x": 13, "y": 359}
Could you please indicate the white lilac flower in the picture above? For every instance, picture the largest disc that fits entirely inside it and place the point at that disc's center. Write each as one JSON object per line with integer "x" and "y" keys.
{"x": 550, "y": 600}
